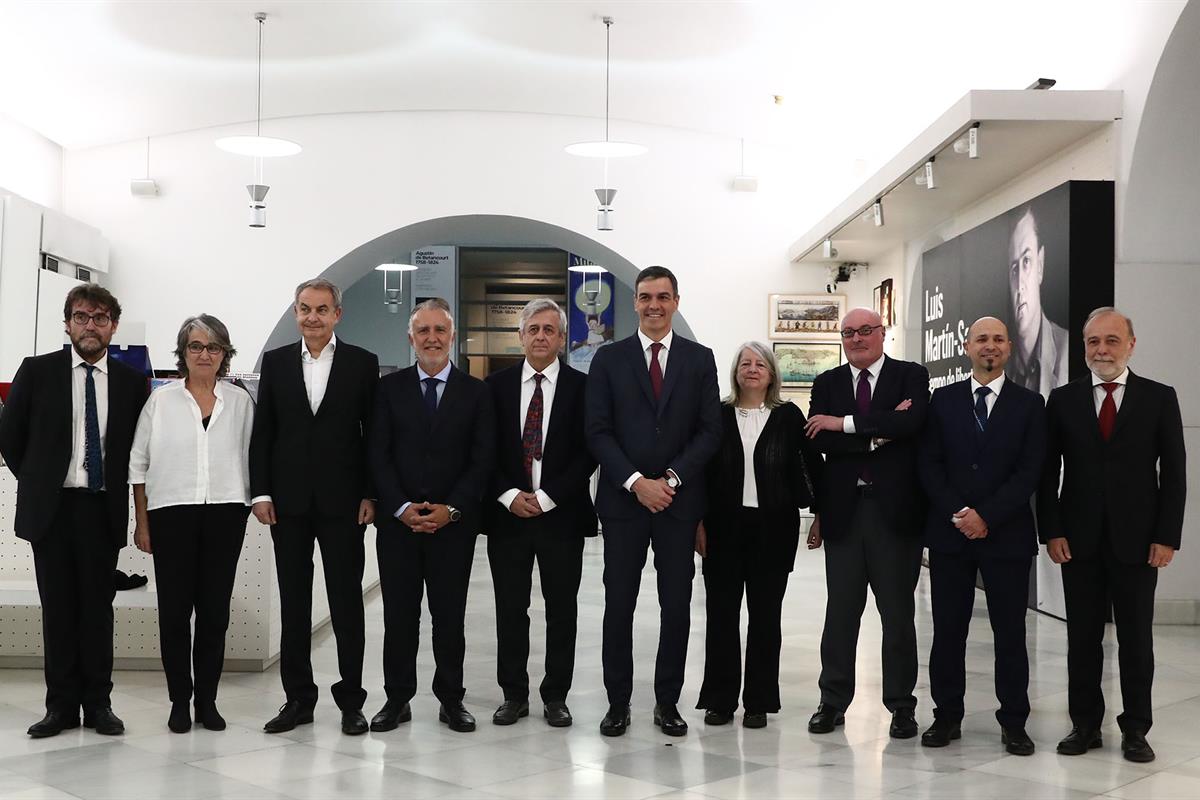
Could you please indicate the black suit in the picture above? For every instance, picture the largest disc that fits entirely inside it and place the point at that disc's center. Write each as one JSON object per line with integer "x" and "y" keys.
{"x": 554, "y": 538}
{"x": 994, "y": 471}
{"x": 76, "y": 534}
{"x": 872, "y": 533}
{"x": 629, "y": 431}
{"x": 446, "y": 458}
{"x": 1117, "y": 498}
{"x": 314, "y": 468}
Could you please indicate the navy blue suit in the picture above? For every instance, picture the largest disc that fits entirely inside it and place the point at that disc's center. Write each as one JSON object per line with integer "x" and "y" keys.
{"x": 993, "y": 468}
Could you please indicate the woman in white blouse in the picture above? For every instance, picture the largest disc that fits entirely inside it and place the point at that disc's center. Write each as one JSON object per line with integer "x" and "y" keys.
{"x": 191, "y": 490}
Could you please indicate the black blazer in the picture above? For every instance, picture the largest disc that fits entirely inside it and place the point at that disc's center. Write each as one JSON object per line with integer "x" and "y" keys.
{"x": 787, "y": 471}
{"x": 567, "y": 465}
{"x": 1135, "y": 484}
{"x": 627, "y": 431}
{"x": 893, "y": 466}
{"x": 35, "y": 439}
{"x": 447, "y": 458}
{"x": 312, "y": 462}
{"x": 995, "y": 472}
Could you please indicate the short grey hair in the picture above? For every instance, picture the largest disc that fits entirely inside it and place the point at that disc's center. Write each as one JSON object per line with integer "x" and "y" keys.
{"x": 431, "y": 304}
{"x": 535, "y": 307}
{"x": 773, "y": 400}
{"x": 216, "y": 332}
{"x": 1102, "y": 311}
{"x": 322, "y": 284}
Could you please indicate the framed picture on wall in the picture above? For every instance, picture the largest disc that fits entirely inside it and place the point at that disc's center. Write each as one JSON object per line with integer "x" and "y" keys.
{"x": 796, "y": 317}
{"x": 887, "y": 303}
{"x": 801, "y": 362}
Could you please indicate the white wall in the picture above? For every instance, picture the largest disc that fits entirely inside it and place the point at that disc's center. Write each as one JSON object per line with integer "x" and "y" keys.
{"x": 30, "y": 165}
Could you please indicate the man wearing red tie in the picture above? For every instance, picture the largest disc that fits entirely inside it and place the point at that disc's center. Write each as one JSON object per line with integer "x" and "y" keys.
{"x": 1116, "y": 441}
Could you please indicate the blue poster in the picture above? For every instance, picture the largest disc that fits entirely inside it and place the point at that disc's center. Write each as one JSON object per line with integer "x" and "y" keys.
{"x": 590, "y": 317}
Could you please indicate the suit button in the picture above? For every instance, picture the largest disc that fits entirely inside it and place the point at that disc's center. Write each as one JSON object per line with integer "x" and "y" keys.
{"x": 974, "y": 466}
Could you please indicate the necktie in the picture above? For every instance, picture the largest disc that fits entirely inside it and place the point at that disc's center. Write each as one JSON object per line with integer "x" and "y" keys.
{"x": 92, "y": 457}
{"x": 656, "y": 375}
{"x": 862, "y": 399}
{"x": 1108, "y": 411}
{"x": 981, "y": 412}
{"x": 531, "y": 438}
{"x": 431, "y": 385}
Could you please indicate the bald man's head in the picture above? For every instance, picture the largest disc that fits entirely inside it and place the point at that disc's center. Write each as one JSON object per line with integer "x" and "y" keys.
{"x": 988, "y": 347}
{"x": 864, "y": 345}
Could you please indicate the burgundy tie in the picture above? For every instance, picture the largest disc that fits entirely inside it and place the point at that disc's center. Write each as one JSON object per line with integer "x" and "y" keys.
{"x": 656, "y": 375}
{"x": 862, "y": 399}
{"x": 531, "y": 438}
{"x": 1108, "y": 411}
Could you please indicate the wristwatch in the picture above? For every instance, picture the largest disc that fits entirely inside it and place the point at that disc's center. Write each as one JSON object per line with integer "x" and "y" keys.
{"x": 673, "y": 479}
{"x": 455, "y": 514}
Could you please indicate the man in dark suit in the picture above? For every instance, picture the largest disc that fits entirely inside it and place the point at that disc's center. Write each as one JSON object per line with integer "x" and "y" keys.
{"x": 867, "y": 416}
{"x": 980, "y": 461}
{"x": 1115, "y": 439}
{"x": 66, "y": 434}
{"x": 653, "y": 422}
{"x": 432, "y": 451}
{"x": 308, "y": 481}
{"x": 544, "y": 511}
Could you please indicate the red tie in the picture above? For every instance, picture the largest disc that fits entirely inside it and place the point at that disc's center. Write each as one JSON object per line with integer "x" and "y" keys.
{"x": 1108, "y": 411}
{"x": 531, "y": 437}
{"x": 656, "y": 376}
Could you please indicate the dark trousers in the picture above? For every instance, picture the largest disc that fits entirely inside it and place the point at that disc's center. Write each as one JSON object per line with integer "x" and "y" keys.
{"x": 559, "y": 555}
{"x": 952, "y": 591}
{"x": 625, "y": 543}
{"x": 342, "y": 559}
{"x": 1087, "y": 585}
{"x": 747, "y": 564}
{"x": 196, "y": 550}
{"x": 870, "y": 553}
{"x": 410, "y": 563}
{"x": 74, "y": 564}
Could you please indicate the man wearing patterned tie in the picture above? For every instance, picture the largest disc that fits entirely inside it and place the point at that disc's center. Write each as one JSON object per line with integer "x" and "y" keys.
{"x": 980, "y": 460}
{"x": 1115, "y": 441}
{"x": 66, "y": 434}
{"x": 539, "y": 507}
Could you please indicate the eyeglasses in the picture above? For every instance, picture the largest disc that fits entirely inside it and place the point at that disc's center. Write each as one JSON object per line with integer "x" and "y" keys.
{"x": 864, "y": 331}
{"x": 196, "y": 348}
{"x": 100, "y": 319}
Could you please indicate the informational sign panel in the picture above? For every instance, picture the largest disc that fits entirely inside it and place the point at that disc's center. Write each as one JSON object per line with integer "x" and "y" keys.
{"x": 590, "y": 317}
{"x": 436, "y": 275}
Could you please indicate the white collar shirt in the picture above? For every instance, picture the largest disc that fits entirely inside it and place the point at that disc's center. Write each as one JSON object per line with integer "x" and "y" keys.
{"x": 528, "y": 384}
{"x": 647, "y": 342}
{"x": 76, "y": 477}
{"x": 1098, "y": 390}
{"x": 996, "y": 385}
{"x": 316, "y": 371}
{"x": 442, "y": 376}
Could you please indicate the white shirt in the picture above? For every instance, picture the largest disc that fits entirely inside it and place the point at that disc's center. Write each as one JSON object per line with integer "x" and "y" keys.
{"x": 1098, "y": 391}
{"x": 422, "y": 376}
{"x": 990, "y": 398}
{"x": 316, "y": 371}
{"x": 77, "y": 472}
{"x": 872, "y": 379}
{"x": 528, "y": 384}
{"x": 750, "y": 422}
{"x": 179, "y": 461}
{"x": 647, "y": 342}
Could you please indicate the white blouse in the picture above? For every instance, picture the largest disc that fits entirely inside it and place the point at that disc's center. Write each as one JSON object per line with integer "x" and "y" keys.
{"x": 181, "y": 462}
{"x": 751, "y": 422}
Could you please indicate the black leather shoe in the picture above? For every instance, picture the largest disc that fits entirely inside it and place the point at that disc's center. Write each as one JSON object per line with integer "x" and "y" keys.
{"x": 1079, "y": 741}
{"x": 353, "y": 722}
{"x": 457, "y": 717}
{"x": 616, "y": 721}
{"x": 54, "y": 723}
{"x": 904, "y": 724}
{"x": 666, "y": 717}
{"x": 390, "y": 716}
{"x": 825, "y": 719}
{"x": 180, "y": 720}
{"x": 557, "y": 714}
{"x": 291, "y": 714}
{"x": 754, "y": 719}
{"x": 717, "y": 717}
{"x": 509, "y": 712}
{"x": 941, "y": 733}
{"x": 208, "y": 717}
{"x": 104, "y": 721}
{"x": 1135, "y": 748}
{"x": 1016, "y": 741}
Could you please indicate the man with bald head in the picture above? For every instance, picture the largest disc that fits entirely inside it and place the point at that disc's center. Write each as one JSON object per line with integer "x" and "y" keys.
{"x": 1110, "y": 510}
{"x": 980, "y": 461}
{"x": 866, "y": 417}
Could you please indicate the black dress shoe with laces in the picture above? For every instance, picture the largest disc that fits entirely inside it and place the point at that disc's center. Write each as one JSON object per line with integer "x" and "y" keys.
{"x": 712, "y": 717}
{"x": 904, "y": 724}
{"x": 54, "y": 723}
{"x": 180, "y": 719}
{"x": 941, "y": 733}
{"x": 390, "y": 716}
{"x": 208, "y": 717}
{"x": 667, "y": 717}
{"x": 291, "y": 714}
{"x": 825, "y": 719}
{"x": 104, "y": 721}
{"x": 1079, "y": 741}
{"x": 457, "y": 717}
{"x": 616, "y": 721}
{"x": 509, "y": 712}
{"x": 1135, "y": 748}
{"x": 353, "y": 722}
{"x": 1016, "y": 741}
{"x": 557, "y": 714}
{"x": 754, "y": 719}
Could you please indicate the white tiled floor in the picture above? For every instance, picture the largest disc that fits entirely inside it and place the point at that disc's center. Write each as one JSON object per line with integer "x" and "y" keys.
{"x": 530, "y": 760}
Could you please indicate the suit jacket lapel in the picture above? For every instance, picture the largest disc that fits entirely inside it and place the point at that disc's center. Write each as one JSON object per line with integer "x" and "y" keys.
{"x": 1129, "y": 402}
{"x": 641, "y": 373}
{"x": 998, "y": 413}
{"x": 450, "y": 397}
{"x": 336, "y": 370}
{"x": 296, "y": 372}
{"x": 674, "y": 367}
{"x": 65, "y": 388}
{"x": 884, "y": 379}
{"x": 561, "y": 400}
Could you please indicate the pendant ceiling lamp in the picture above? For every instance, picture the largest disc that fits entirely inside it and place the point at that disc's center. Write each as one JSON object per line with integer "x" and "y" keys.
{"x": 258, "y": 145}
{"x": 606, "y": 148}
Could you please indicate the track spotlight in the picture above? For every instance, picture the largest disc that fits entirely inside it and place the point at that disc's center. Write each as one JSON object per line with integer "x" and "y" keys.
{"x": 877, "y": 212}
{"x": 929, "y": 182}
{"x": 828, "y": 250}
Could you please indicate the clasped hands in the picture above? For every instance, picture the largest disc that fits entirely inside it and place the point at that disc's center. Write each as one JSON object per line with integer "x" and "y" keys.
{"x": 525, "y": 505}
{"x": 426, "y": 517}
{"x": 827, "y": 422}
{"x": 969, "y": 523}
{"x": 653, "y": 493}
